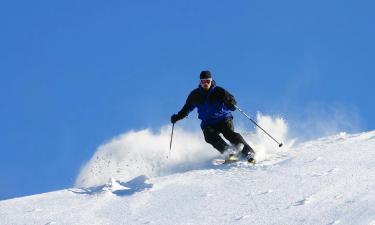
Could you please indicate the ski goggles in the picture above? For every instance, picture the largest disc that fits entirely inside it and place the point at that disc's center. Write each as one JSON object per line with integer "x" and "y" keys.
{"x": 206, "y": 81}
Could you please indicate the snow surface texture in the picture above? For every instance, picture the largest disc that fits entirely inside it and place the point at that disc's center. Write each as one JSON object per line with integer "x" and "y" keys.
{"x": 325, "y": 181}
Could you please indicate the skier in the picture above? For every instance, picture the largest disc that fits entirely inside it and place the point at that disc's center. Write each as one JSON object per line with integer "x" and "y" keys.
{"x": 214, "y": 105}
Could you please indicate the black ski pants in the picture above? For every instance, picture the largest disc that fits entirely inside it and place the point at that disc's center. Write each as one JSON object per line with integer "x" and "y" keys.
{"x": 225, "y": 127}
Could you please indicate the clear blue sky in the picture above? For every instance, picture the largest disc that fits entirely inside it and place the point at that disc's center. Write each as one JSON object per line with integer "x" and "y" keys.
{"x": 74, "y": 74}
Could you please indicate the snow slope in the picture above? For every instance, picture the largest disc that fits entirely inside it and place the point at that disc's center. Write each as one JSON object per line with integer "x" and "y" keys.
{"x": 325, "y": 181}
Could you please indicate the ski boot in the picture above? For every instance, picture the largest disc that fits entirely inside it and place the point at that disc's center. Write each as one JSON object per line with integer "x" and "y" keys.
{"x": 231, "y": 154}
{"x": 232, "y": 157}
{"x": 250, "y": 158}
{"x": 249, "y": 155}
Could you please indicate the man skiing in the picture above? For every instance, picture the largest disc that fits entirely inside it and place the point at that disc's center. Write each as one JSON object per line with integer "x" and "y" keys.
{"x": 214, "y": 105}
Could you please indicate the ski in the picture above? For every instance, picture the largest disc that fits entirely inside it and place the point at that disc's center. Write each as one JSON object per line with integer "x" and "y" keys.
{"x": 217, "y": 162}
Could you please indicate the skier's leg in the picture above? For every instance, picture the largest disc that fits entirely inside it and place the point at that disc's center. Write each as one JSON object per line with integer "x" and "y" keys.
{"x": 211, "y": 135}
{"x": 227, "y": 129}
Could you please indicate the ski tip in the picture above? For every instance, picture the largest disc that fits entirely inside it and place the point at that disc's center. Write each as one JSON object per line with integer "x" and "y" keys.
{"x": 280, "y": 145}
{"x": 217, "y": 162}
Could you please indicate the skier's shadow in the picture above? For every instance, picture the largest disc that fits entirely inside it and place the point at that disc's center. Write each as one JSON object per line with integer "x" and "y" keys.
{"x": 135, "y": 185}
{"x": 131, "y": 187}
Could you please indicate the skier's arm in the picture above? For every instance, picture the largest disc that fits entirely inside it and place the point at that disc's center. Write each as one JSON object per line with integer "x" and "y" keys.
{"x": 229, "y": 100}
{"x": 184, "y": 112}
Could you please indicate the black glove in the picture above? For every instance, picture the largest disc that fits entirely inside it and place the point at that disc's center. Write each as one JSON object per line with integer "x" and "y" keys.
{"x": 174, "y": 118}
{"x": 231, "y": 106}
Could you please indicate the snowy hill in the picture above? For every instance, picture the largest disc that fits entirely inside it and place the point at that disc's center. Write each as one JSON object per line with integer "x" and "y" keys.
{"x": 325, "y": 181}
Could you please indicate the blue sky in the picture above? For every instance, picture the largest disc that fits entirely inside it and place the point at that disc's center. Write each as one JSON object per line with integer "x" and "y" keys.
{"x": 74, "y": 74}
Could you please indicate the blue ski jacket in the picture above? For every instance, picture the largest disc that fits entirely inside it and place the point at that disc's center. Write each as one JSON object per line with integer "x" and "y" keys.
{"x": 213, "y": 105}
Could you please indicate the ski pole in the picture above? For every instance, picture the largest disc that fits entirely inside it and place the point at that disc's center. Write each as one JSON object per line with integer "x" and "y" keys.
{"x": 170, "y": 144}
{"x": 279, "y": 143}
